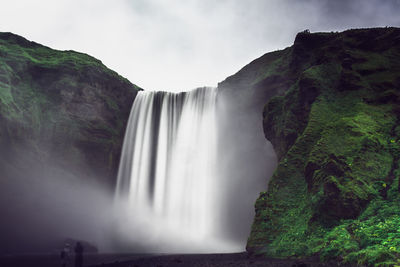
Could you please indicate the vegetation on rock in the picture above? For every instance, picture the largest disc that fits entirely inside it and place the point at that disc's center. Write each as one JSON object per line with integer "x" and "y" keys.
{"x": 60, "y": 106}
{"x": 334, "y": 123}
{"x": 333, "y": 118}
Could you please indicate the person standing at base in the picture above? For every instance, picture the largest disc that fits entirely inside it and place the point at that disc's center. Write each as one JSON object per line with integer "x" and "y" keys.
{"x": 63, "y": 258}
{"x": 65, "y": 255}
{"x": 78, "y": 255}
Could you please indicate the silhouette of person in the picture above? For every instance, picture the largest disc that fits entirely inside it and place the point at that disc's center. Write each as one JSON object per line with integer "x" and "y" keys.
{"x": 64, "y": 255}
{"x": 78, "y": 255}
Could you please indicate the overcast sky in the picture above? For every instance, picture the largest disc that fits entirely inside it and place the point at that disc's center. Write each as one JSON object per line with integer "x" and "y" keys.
{"x": 177, "y": 45}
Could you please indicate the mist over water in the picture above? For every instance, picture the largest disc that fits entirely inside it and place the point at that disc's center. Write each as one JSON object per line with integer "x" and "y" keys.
{"x": 183, "y": 184}
{"x": 246, "y": 158}
{"x": 42, "y": 205}
{"x": 191, "y": 169}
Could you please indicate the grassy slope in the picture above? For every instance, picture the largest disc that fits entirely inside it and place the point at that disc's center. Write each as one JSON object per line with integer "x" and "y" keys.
{"x": 334, "y": 126}
{"x": 61, "y": 105}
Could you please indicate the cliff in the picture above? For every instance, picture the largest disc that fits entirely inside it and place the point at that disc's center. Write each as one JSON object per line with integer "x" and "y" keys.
{"x": 331, "y": 110}
{"x": 60, "y": 108}
{"x": 332, "y": 115}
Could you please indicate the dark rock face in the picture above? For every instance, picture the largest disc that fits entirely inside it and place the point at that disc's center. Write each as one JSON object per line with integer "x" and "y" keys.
{"x": 331, "y": 113}
{"x": 62, "y": 108}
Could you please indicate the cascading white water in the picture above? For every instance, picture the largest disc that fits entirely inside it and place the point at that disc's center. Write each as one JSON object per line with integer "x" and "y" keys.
{"x": 168, "y": 170}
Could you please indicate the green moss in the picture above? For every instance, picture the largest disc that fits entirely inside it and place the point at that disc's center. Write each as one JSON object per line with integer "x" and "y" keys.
{"x": 276, "y": 66}
{"x": 335, "y": 192}
{"x": 111, "y": 104}
{"x": 5, "y": 94}
{"x": 63, "y": 105}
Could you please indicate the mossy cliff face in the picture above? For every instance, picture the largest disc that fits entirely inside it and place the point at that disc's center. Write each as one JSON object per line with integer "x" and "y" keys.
{"x": 334, "y": 124}
{"x": 60, "y": 107}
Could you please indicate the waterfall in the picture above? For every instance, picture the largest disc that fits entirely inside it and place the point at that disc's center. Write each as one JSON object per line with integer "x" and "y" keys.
{"x": 168, "y": 170}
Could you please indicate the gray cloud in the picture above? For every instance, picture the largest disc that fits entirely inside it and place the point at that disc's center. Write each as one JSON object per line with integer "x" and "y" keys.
{"x": 178, "y": 45}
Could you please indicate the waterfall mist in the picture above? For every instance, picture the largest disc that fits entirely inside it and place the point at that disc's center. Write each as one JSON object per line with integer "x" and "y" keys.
{"x": 42, "y": 205}
{"x": 191, "y": 168}
{"x": 168, "y": 169}
{"x": 247, "y": 159}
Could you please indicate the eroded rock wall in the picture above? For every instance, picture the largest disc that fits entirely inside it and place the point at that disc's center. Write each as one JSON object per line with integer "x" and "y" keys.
{"x": 335, "y": 129}
{"x": 60, "y": 108}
